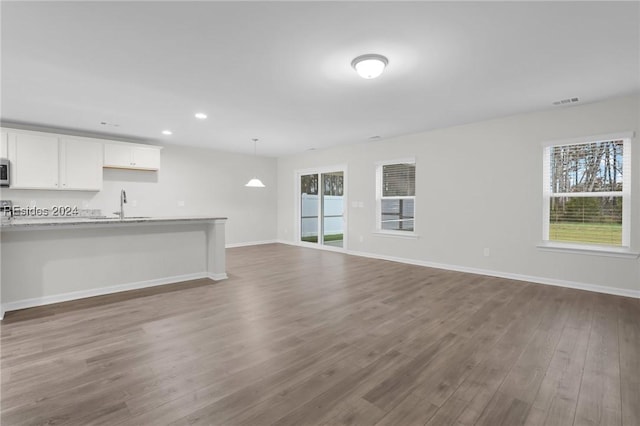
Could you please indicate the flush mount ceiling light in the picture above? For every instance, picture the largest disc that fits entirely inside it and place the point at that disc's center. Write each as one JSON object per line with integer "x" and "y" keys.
{"x": 255, "y": 182}
{"x": 369, "y": 66}
{"x": 201, "y": 116}
{"x": 167, "y": 132}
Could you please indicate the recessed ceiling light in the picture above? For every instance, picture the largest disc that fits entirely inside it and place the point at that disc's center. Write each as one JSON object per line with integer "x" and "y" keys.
{"x": 167, "y": 132}
{"x": 370, "y": 65}
{"x": 201, "y": 115}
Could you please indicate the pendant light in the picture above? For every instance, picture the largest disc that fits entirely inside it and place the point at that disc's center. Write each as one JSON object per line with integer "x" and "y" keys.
{"x": 255, "y": 182}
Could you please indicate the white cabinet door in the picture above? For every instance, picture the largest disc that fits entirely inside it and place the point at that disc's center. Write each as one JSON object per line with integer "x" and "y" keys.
{"x": 4, "y": 141}
{"x": 34, "y": 161}
{"x": 80, "y": 164}
{"x": 130, "y": 156}
{"x": 146, "y": 158}
{"x": 117, "y": 155}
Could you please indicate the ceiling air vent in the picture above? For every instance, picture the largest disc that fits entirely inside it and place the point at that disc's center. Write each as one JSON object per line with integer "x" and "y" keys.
{"x": 566, "y": 101}
{"x": 106, "y": 123}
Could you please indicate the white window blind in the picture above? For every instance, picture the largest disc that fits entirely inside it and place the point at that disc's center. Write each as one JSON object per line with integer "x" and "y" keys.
{"x": 396, "y": 196}
{"x": 586, "y": 192}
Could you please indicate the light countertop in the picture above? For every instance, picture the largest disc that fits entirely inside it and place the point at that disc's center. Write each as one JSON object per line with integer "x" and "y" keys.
{"x": 93, "y": 222}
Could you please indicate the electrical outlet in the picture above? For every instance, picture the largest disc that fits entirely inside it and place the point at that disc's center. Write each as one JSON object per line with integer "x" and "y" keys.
{"x": 134, "y": 203}
{"x": 180, "y": 203}
{"x": 361, "y": 238}
{"x": 486, "y": 252}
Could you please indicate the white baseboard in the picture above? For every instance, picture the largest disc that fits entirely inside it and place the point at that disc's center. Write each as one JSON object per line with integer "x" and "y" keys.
{"x": 508, "y": 275}
{"x": 289, "y": 243}
{"x": 75, "y": 295}
{"x": 218, "y": 277}
{"x": 251, "y": 243}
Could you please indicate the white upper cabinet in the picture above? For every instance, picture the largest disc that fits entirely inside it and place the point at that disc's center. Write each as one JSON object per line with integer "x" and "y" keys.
{"x": 80, "y": 164}
{"x": 52, "y": 161}
{"x": 131, "y": 156}
{"x": 34, "y": 160}
{"x": 3, "y": 145}
{"x": 117, "y": 155}
{"x": 146, "y": 158}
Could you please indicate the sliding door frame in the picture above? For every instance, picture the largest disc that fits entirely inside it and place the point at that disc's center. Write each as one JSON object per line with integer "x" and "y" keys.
{"x": 298, "y": 202}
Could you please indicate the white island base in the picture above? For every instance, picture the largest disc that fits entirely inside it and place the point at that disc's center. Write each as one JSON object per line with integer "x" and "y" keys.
{"x": 50, "y": 262}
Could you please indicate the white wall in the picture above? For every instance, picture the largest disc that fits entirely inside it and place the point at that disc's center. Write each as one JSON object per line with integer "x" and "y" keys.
{"x": 209, "y": 182}
{"x": 478, "y": 186}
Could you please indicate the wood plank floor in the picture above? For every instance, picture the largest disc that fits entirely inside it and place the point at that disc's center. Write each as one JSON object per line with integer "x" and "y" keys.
{"x": 305, "y": 337}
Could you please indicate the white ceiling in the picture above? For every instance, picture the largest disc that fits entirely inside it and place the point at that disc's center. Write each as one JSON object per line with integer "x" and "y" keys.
{"x": 280, "y": 71}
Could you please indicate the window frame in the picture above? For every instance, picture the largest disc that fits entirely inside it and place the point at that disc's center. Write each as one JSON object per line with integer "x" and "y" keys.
{"x": 580, "y": 247}
{"x": 379, "y": 197}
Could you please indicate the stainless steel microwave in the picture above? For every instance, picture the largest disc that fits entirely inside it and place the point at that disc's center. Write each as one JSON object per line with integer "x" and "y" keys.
{"x": 4, "y": 172}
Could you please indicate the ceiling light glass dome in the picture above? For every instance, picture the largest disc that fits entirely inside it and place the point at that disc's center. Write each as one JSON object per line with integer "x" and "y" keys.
{"x": 369, "y": 66}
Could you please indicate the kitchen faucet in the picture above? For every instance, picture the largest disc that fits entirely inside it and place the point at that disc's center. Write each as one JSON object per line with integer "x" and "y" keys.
{"x": 123, "y": 201}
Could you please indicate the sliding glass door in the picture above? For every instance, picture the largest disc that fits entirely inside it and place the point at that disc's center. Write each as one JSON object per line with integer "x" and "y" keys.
{"x": 332, "y": 206}
{"x": 309, "y": 208}
{"x": 322, "y": 202}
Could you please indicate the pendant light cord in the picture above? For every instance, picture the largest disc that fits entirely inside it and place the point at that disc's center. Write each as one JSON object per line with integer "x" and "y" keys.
{"x": 255, "y": 182}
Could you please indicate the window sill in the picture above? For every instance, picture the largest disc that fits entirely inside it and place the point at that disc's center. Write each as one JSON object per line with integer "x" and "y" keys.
{"x": 592, "y": 250}
{"x": 397, "y": 234}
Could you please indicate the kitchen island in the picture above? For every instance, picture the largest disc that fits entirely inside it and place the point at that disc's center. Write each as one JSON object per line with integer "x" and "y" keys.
{"x": 47, "y": 261}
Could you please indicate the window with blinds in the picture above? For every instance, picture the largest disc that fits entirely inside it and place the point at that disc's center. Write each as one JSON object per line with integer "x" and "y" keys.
{"x": 586, "y": 192}
{"x": 396, "y": 194}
